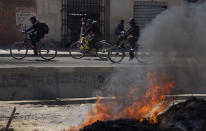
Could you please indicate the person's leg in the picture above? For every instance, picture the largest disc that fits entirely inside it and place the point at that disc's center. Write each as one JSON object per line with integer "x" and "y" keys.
{"x": 37, "y": 39}
{"x": 33, "y": 39}
{"x": 132, "y": 42}
{"x": 92, "y": 42}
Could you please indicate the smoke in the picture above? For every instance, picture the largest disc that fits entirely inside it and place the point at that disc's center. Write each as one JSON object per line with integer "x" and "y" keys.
{"x": 179, "y": 30}
{"x": 177, "y": 39}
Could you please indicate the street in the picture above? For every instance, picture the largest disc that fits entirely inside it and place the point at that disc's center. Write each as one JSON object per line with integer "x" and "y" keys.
{"x": 8, "y": 62}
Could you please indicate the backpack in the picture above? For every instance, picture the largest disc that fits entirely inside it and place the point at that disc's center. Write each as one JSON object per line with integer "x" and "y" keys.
{"x": 117, "y": 31}
{"x": 46, "y": 28}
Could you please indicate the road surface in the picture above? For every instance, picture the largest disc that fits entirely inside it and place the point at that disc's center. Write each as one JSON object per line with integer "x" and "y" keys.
{"x": 8, "y": 62}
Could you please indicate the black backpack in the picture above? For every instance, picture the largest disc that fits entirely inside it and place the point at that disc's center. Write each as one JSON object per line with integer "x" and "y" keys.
{"x": 46, "y": 28}
{"x": 117, "y": 31}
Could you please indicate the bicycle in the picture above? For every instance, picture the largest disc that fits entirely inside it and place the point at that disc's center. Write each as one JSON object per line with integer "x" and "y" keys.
{"x": 46, "y": 51}
{"x": 117, "y": 53}
{"x": 80, "y": 48}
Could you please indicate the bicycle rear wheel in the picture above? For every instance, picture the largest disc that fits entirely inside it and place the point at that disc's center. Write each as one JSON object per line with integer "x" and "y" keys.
{"x": 48, "y": 51}
{"x": 143, "y": 55}
{"x": 18, "y": 51}
{"x": 102, "y": 50}
{"x": 116, "y": 54}
{"x": 77, "y": 50}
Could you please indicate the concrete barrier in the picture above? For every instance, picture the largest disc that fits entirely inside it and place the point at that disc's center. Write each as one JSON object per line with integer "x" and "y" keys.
{"x": 50, "y": 83}
{"x": 34, "y": 83}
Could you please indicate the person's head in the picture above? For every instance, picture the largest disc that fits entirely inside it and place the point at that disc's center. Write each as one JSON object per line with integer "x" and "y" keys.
{"x": 122, "y": 22}
{"x": 33, "y": 20}
{"x": 89, "y": 22}
{"x": 83, "y": 20}
{"x": 132, "y": 22}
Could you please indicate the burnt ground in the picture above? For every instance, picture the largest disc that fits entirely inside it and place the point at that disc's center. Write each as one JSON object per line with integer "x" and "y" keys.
{"x": 185, "y": 116}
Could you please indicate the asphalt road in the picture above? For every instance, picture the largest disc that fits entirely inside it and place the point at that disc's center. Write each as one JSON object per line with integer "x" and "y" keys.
{"x": 8, "y": 62}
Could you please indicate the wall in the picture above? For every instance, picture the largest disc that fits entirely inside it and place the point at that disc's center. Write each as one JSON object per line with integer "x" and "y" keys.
{"x": 30, "y": 83}
{"x": 51, "y": 83}
{"x": 120, "y": 9}
{"x": 50, "y": 11}
{"x": 9, "y": 19}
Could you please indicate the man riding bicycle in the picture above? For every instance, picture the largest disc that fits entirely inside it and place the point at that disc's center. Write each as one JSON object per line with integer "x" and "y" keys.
{"x": 37, "y": 32}
{"x": 132, "y": 36}
{"x": 95, "y": 34}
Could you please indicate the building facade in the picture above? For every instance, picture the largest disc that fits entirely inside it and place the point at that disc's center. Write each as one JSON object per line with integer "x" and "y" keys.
{"x": 63, "y": 16}
{"x": 11, "y": 14}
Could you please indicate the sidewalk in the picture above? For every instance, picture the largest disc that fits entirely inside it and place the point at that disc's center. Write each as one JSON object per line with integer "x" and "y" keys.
{"x": 6, "y": 53}
{"x": 65, "y": 53}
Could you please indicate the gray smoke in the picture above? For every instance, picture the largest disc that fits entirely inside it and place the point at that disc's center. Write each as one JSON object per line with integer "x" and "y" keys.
{"x": 177, "y": 39}
{"x": 180, "y": 31}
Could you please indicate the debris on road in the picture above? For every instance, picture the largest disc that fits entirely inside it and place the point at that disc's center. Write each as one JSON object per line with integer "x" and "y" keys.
{"x": 185, "y": 116}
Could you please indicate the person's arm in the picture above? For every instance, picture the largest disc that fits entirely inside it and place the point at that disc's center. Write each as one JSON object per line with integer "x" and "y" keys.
{"x": 87, "y": 32}
{"x": 128, "y": 32}
{"x": 30, "y": 29}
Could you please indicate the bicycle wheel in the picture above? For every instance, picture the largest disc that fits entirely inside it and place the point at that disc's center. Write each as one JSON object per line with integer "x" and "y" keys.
{"x": 116, "y": 54}
{"x": 102, "y": 50}
{"x": 77, "y": 50}
{"x": 18, "y": 51}
{"x": 48, "y": 51}
{"x": 143, "y": 55}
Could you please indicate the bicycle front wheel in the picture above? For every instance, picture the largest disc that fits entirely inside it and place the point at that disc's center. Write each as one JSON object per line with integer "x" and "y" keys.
{"x": 77, "y": 50}
{"x": 116, "y": 54}
{"x": 18, "y": 51}
{"x": 143, "y": 55}
{"x": 48, "y": 51}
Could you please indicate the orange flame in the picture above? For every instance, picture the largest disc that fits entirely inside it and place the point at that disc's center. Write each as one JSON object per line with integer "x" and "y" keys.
{"x": 148, "y": 106}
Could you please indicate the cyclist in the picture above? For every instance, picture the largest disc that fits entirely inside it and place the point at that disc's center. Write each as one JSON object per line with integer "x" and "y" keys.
{"x": 95, "y": 34}
{"x": 37, "y": 32}
{"x": 132, "y": 35}
{"x": 119, "y": 28}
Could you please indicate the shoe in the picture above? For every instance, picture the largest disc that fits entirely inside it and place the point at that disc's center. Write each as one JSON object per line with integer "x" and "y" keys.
{"x": 131, "y": 55}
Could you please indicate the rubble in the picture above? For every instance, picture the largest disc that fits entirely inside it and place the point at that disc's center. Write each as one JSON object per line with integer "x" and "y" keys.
{"x": 186, "y": 116}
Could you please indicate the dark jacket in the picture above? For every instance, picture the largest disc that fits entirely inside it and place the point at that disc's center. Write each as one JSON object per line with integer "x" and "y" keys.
{"x": 37, "y": 28}
{"x": 134, "y": 31}
{"x": 93, "y": 30}
{"x": 119, "y": 29}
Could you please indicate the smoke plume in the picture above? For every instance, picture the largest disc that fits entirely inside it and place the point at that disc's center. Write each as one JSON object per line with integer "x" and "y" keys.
{"x": 177, "y": 40}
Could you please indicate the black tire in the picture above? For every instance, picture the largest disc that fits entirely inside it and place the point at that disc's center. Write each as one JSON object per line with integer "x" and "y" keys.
{"x": 102, "y": 50}
{"x": 143, "y": 55}
{"x": 18, "y": 51}
{"x": 77, "y": 50}
{"x": 116, "y": 54}
{"x": 48, "y": 51}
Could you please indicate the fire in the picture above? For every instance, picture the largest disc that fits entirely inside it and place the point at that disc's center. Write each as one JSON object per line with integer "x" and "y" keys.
{"x": 147, "y": 106}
